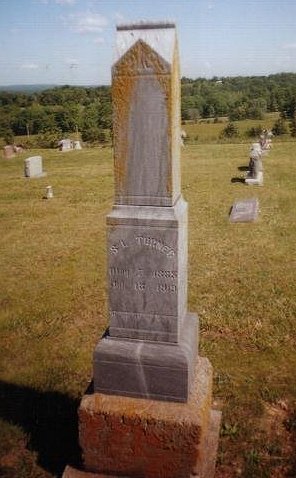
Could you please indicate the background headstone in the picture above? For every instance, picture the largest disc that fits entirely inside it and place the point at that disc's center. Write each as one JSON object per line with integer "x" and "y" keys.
{"x": 76, "y": 145}
{"x": 49, "y": 192}
{"x": 33, "y": 167}
{"x": 9, "y": 151}
{"x": 65, "y": 145}
{"x": 244, "y": 211}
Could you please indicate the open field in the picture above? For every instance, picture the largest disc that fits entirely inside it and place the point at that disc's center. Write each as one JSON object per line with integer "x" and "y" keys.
{"x": 207, "y": 131}
{"x": 242, "y": 282}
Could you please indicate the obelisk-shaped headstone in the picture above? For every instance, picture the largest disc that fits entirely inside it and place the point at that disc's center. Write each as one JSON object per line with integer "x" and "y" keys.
{"x": 147, "y": 228}
{"x": 130, "y": 424}
{"x": 146, "y": 101}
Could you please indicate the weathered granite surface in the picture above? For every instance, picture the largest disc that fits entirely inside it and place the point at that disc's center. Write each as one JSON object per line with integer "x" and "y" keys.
{"x": 132, "y": 424}
{"x": 147, "y": 228}
{"x": 147, "y": 271}
{"x": 125, "y": 436}
{"x": 139, "y": 368}
{"x": 146, "y": 116}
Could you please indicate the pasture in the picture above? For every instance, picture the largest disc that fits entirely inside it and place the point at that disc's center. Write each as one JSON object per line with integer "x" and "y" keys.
{"x": 242, "y": 281}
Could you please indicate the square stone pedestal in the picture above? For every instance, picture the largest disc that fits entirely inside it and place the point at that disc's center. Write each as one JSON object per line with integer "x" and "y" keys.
{"x": 150, "y": 370}
{"x": 139, "y": 438}
{"x": 258, "y": 181}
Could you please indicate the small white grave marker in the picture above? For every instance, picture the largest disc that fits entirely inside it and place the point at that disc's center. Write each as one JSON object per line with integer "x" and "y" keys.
{"x": 49, "y": 192}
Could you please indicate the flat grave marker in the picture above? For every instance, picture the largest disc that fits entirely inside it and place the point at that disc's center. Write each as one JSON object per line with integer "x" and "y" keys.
{"x": 244, "y": 211}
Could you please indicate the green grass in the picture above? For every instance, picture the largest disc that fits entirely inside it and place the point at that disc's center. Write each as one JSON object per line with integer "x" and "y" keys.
{"x": 242, "y": 284}
{"x": 207, "y": 131}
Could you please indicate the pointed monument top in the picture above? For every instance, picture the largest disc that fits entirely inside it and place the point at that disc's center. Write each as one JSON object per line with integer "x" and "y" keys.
{"x": 143, "y": 25}
{"x": 160, "y": 36}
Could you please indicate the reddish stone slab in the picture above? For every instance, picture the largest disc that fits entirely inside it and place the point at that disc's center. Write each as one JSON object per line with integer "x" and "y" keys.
{"x": 71, "y": 472}
{"x": 141, "y": 438}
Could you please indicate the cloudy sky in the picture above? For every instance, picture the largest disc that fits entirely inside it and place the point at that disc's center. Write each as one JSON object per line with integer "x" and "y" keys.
{"x": 71, "y": 41}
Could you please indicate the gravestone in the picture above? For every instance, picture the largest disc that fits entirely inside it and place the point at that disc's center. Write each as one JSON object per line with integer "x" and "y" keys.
{"x": 65, "y": 145}
{"x": 150, "y": 413}
{"x": 244, "y": 211}
{"x": 76, "y": 145}
{"x": 33, "y": 167}
{"x": 147, "y": 228}
{"x": 255, "y": 173}
{"x": 9, "y": 151}
{"x": 49, "y": 192}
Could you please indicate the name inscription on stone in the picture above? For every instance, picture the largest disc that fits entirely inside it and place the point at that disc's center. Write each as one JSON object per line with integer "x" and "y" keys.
{"x": 136, "y": 278}
{"x": 143, "y": 274}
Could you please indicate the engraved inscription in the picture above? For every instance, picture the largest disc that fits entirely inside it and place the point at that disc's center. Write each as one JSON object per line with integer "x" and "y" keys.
{"x": 140, "y": 286}
{"x": 119, "y": 285}
{"x": 143, "y": 271}
{"x": 167, "y": 288}
{"x": 115, "y": 247}
{"x": 133, "y": 279}
{"x": 155, "y": 245}
{"x": 165, "y": 274}
{"x": 115, "y": 271}
{"x": 140, "y": 273}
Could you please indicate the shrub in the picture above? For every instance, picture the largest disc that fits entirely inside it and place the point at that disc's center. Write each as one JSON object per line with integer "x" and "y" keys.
{"x": 49, "y": 139}
{"x": 255, "y": 131}
{"x": 280, "y": 127}
{"x": 92, "y": 135}
{"x": 8, "y": 137}
{"x": 230, "y": 131}
{"x": 293, "y": 126}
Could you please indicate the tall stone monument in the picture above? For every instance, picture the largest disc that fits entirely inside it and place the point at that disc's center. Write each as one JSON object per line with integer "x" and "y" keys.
{"x": 152, "y": 342}
{"x": 150, "y": 414}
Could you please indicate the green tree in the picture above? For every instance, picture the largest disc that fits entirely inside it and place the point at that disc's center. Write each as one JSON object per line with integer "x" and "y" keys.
{"x": 49, "y": 139}
{"x": 230, "y": 131}
{"x": 254, "y": 131}
{"x": 93, "y": 135}
{"x": 280, "y": 127}
{"x": 293, "y": 126}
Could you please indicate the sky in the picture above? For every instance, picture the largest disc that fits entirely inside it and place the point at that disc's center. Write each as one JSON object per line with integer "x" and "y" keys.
{"x": 72, "y": 41}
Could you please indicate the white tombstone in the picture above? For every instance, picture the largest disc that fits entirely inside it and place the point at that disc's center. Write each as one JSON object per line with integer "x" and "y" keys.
{"x": 65, "y": 145}
{"x": 255, "y": 151}
{"x": 256, "y": 181}
{"x": 33, "y": 167}
{"x": 76, "y": 145}
{"x": 49, "y": 192}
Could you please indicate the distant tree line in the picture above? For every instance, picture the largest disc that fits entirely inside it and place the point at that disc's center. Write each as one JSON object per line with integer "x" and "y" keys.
{"x": 58, "y": 111}
{"x": 239, "y": 97}
{"x": 67, "y": 109}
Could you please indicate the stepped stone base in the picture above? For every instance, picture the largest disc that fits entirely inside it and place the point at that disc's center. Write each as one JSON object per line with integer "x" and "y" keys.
{"x": 150, "y": 370}
{"x": 140, "y": 438}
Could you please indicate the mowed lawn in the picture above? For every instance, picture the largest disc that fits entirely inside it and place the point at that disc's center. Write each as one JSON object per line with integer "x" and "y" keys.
{"x": 242, "y": 283}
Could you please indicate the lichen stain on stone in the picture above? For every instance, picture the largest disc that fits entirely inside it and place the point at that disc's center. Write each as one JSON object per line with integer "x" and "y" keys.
{"x": 139, "y": 61}
{"x": 121, "y": 91}
{"x": 176, "y": 122}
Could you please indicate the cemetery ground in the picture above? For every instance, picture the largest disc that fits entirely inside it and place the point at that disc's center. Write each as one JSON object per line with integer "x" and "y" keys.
{"x": 242, "y": 280}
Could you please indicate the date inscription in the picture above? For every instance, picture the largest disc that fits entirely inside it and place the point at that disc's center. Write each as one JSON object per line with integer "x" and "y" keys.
{"x": 139, "y": 280}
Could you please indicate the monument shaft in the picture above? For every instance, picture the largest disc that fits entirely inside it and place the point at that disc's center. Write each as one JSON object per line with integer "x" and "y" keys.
{"x": 147, "y": 228}
{"x": 131, "y": 424}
